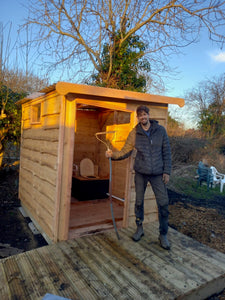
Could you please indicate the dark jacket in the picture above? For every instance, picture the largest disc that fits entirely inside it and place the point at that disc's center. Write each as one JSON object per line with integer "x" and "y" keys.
{"x": 153, "y": 156}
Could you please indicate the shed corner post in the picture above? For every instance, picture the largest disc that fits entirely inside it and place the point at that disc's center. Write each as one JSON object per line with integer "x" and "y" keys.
{"x": 129, "y": 176}
{"x": 65, "y": 176}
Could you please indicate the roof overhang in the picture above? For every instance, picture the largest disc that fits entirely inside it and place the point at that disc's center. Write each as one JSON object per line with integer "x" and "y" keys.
{"x": 66, "y": 88}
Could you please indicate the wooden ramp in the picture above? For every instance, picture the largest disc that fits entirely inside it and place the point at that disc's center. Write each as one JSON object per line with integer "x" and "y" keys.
{"x": 102, "y": 267}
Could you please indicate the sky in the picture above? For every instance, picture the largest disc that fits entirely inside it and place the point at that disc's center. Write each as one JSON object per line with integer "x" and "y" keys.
{"x": 198, "y": 62}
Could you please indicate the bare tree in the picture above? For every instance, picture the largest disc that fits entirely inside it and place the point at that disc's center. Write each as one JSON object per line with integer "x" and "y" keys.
{"x": 208, "y": 101}
{"x": 14, "y": 84}
{"x": 74, "y": 32}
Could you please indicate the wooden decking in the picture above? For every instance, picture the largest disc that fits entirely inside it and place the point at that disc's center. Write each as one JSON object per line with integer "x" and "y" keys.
{"x": 102, "y": 267}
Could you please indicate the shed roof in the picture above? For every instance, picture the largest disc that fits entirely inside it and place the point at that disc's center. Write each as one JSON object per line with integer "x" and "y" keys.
{"x": 65, "y": 88}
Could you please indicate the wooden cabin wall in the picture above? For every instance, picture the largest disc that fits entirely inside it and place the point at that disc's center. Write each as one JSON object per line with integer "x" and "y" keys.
{"x": 89, "y": 122}
{"x": 39, "y": 162}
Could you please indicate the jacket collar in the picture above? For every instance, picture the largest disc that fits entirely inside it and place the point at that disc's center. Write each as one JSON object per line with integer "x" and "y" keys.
{"x": 153, "y": 127}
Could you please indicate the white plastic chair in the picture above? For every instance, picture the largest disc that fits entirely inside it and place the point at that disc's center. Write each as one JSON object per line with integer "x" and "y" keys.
{"x": 222, "y": 182}
{"x": 218, "y": 178}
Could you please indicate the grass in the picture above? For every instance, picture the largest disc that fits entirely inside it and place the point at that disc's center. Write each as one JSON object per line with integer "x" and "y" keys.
{"x": 190, "y": 187}
{"x": 183, "y": 181}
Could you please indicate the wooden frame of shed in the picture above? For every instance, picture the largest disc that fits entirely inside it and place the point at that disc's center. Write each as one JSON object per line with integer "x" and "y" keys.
{"x": 58, "y": 131}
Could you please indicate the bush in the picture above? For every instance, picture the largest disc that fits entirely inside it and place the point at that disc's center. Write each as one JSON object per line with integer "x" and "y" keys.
{"x": 189, "y": 150}
{"x": 184, "y": 149}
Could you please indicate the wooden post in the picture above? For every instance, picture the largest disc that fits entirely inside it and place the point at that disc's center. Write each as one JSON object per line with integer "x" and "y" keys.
{"x": 129, "y": 179}
{"x": 66, "y": 169}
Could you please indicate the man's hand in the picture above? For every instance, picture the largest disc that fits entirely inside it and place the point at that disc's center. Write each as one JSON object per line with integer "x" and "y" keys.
{"x": 166, "y": 178}
{"x": 108, "y": 153}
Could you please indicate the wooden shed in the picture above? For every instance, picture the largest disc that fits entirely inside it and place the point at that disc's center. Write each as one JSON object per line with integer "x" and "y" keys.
{"x": 58, "y": 133}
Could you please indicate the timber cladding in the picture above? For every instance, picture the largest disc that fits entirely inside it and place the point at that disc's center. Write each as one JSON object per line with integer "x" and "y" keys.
{"x": 39, "y": 162}
{"x": 58, "y": 131}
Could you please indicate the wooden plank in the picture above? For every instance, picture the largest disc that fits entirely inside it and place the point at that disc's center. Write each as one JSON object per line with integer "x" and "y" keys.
{"x": 86, "y": 213}
{"x": 197, "y": 249}
{"x": 158, "y": 113}
{"x": 30, "y": 200}
{"x": 43, "y": 172}
{"x": 37, "y": 196}
{"x": 26, "y": 112}
{"x": 44, "y": 159}
{"x": 51, "y": 105}
{"x": 104, "y": 104}
{"x": 70, "y": 272}
{"x": 103, "y": 267}
{"x": 67, "y": 169}
{"x": 175, "y": 278}
{"x": 51, "y": 135}
{"x": 34, "y": 286}
{"x": 46, "y": 189}
{"x": 45, "y": 196}
{"x": 4, "y": 288}
{"x": 39, "y": 221}
{"x": 98, "y": 289}
{"x": 199, "y": 269}
{"x": 93, "y": 229}
{"x": 104, "y": 93}
{"x": 129, "y": 179}
{"x": 152, "y": 281}
{"x": 124, "y": 285}
{"x": 14, "y": 279}
{"x": 149, "y": 283}
{"x": 41, "y": 146}
{"x": 60, "y": 166}
{"x": 26, "y": 125}
{"x": 62, "y": 282}
{"x": 51, "y": 121}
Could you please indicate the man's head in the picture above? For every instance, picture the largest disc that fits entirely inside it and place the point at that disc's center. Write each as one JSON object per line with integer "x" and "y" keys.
{"x": 143, "y": 114}
{"x": 142, "y": 108}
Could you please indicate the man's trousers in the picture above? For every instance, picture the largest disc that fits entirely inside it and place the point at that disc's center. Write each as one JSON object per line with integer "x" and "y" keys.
{"x": 160, "y": 190}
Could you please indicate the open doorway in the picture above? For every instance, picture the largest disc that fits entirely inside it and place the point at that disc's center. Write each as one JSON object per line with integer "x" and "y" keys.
{"x": 90, "y": 206}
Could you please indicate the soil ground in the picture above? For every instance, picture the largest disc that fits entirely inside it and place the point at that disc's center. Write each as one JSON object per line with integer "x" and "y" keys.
{"x": 15, "y": 234}
{"x": 202, "y": 220}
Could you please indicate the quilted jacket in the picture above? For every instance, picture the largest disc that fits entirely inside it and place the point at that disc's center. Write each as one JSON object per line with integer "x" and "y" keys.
{"x": 153, "y": 156}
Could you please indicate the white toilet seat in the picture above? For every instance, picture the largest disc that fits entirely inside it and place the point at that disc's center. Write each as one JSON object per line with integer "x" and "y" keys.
{"x": 87, "y": 168}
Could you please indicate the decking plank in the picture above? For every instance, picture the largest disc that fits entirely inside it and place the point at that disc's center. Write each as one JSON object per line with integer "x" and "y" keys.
{"x": 122, "y": 277}
{"x": 4, "y": 288}
{"x": 181, "y": 257}
{"x": 161, "y": 265}
{"x": 71, "y": 269}
{"x": 107, "y": 274}
{"x": 211, "y": 255}
{"x": 91, "y": 282}
{"x": 100, "y": 267}
{"x": 58, "y": 272}
{"x": 46, "y": 278}
{"x": 14, "y": 279}
{"x": 103, "y": 267}
{"x": 144, "y": 279}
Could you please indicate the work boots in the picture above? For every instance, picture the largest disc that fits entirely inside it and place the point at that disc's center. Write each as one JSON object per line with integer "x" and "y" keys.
{"x": 139, "y": 233}
{"x": 164, "y": 243}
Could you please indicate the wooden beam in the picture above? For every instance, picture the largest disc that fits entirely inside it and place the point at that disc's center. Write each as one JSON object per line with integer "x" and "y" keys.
{"x": 67, "y": 168}
{"x": 87, "y": 90}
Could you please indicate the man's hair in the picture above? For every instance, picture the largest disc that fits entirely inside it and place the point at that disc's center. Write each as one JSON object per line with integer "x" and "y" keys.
{"x": 142, "y": 108}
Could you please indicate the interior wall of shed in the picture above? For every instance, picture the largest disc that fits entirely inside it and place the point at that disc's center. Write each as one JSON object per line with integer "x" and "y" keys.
{"x": 89, "y": 121}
